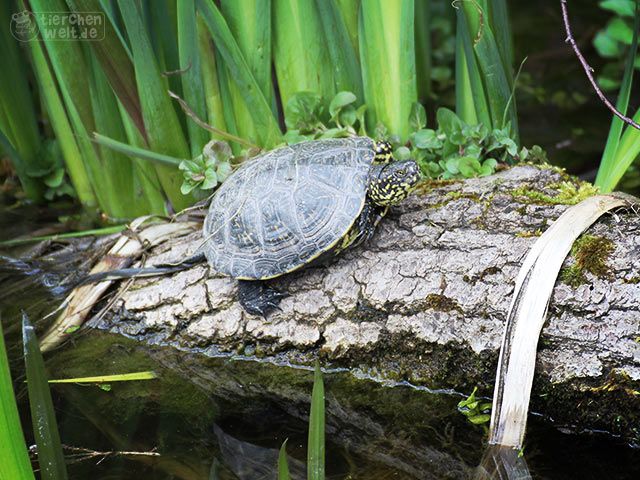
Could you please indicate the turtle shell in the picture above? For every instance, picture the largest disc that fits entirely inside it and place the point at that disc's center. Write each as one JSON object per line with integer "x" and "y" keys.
{"x": 285, "y": 208}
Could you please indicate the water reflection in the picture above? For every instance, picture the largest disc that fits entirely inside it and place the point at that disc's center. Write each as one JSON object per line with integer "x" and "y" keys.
{"x": 502, "y": 463}
{"x": 248, "y": 461}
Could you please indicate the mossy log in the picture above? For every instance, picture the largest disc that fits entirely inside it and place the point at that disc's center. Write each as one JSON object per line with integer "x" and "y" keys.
{"x": 426, "y": 299}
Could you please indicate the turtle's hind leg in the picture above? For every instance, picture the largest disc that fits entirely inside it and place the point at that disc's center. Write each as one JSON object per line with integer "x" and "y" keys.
{"x": 258, "y": 298}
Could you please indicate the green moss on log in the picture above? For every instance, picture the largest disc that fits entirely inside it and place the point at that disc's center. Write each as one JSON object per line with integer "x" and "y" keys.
{"x": 590, "y": 254}
{"x": 566, "y": 193}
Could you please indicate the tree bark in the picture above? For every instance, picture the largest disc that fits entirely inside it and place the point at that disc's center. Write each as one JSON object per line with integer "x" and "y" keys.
{"x": 425, "y": 301}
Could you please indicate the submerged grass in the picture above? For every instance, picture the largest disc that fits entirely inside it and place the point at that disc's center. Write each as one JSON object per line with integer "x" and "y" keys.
{"x": 316, "y": 443}
{"x": 45, "y": 428}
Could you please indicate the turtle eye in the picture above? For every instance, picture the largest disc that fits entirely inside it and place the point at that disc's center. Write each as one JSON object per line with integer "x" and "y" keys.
{"x": 402, "y": 171}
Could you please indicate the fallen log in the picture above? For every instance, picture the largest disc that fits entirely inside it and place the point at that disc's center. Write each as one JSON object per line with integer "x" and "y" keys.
{"x": 425, "y": 301}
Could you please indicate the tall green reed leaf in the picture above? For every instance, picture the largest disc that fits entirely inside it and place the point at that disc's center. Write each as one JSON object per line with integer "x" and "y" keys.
{"x": 422, "y": 26}
{"x": 130, "y": 150}
{"x": 14, "y": 457}
{"x": 316, "y": 444}
{"x": 61, "y": 125}
{"x": 499, "y": 20}
{"x": 617, "y": 158}
{"x": 471, "y": 101}
{"x": 283, "y": 465}
{"x": 58, "y": 236}
{"x": 191, "y": 76}
{"x": 387, "y": 55}
{"x": 161, "y": 121}
{"x": 495, "y": 78}
{"x": 123, "y": 200}
{"x": 267, "y": 129}
{"x": 250, "y": 23}
{"x": 68, "y": 62}
{"x": 300, "y": 53}
{"x": 115, "y": 60}
{"x": 17, "y": 115}
{"x": 344, "y": 60}
{"x": 213, "y": 97}
{"x": 45, "y": 428}
{"x": 349, "y": 11}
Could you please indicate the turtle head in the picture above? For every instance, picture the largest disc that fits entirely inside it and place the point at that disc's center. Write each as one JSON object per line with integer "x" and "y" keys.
{"x": 394, "y": 182}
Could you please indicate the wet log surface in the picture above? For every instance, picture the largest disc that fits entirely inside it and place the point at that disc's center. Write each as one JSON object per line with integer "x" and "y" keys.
{"x": 425, "y": 301}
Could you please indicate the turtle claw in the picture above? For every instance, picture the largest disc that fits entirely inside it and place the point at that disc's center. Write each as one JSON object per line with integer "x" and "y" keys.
{"x": 257, "y": 298}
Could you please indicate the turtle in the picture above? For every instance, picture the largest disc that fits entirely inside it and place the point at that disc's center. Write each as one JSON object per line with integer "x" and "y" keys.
{"x": 298, "y": 206}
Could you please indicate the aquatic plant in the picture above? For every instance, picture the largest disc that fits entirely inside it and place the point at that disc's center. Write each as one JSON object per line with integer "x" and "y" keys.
{"x": 316, "y": 443}
{"x": 362, "y": 66}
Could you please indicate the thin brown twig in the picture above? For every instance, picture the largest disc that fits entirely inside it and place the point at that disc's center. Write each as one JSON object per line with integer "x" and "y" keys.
{"x": 177, "y": 72}
{"x": 588, "y": 70}
{"x": 80, "y": 453}
{"x": 206, "y": 126}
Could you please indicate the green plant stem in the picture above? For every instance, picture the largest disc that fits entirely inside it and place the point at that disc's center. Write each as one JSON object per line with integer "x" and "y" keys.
{"x": 14, "y": 457}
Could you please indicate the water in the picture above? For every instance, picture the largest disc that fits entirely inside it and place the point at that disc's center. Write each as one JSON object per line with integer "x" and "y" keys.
{"x": 234, "y": 415}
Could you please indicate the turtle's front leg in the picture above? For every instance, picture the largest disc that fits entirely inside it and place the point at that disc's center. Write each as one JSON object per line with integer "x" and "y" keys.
{"x": 258, "y": 298}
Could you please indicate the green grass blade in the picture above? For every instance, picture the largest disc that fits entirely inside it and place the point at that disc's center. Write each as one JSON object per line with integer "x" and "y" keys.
{"x": 315, "y": 447}
{"x": 17, "y": 114}
{"x": 161, "y": 122}
{"x": 501, "y": 27}
{"x": 213, "y": 96}
{"x": 61, "y": 126}
{"x": 495, "y": 76}
{"x": 468, "y": 106}
{"x": 299, "y": 50}
{"x": 349, "y": 11}
{"x": 57, "y": 236}
{"x": 69, "y": 63}
{"x": 250, "y": 23}
{"x": 226, "y": 97}
{"x": 387, "y": 57}
{"x": 45, "y": 428}
{"x": 267, "y": 128}
{"x": 145, "y": 178}
{"x": 423, "y": 48}
{"x": 192, "y": 82}
{"x": 14, "y": 457}
{"x": 123, "y": 200}
{"x": 612, "y": 153}
{"x": 344, "y": 60}
{"x": 283, "y": 465}
{"x": 137, "y": 152}
{"x": 627, "y": 152}
{"x": 124, "y": 377}
{"x": 116, "y": 63}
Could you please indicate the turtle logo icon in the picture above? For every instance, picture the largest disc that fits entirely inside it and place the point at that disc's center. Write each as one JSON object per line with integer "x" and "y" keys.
{"x": 24, "y": 26}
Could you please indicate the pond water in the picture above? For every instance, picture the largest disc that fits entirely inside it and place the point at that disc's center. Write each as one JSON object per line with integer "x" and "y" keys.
{"x": 224, "y": 418}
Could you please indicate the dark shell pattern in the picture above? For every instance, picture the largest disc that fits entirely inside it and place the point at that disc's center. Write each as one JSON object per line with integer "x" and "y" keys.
{"x": 281, "y": 210}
